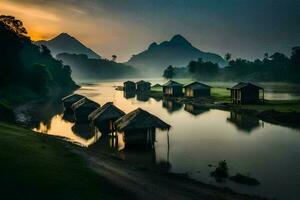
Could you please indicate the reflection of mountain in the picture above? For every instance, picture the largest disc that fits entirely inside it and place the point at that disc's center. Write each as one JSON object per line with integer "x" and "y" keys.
{"x": 243, "y": 122}
{"x": 195, "y": 110}
{"x": 177, "y": 52}
{"x": 64, "y": 43}
{"x": 171, "y": 106}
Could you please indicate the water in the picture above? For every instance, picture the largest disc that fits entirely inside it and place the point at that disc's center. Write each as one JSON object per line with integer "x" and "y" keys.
{"x": 198, "y": 137}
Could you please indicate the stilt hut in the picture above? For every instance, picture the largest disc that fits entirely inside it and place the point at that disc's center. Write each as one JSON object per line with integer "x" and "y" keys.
{"x": 83, "y": 108}
{"x": 105, "y": 116}
{"x": 129, "y": 86}
{"x": 197, "y": 89}
{"x": 69, "y": 100}
{"x": 246, "y": 93}
{"x": 172, "y": 89}
{"x": 139, "y": 128}
{"x": 143, "y": 86}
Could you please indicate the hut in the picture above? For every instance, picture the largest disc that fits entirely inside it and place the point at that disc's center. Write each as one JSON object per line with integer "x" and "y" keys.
{"x": 69, "y": 100}
{"x": 129, "y": 86}
{"x": 143, "y": 86}
{"x": 139, "y": 128}
{"x": 105, "y": 116}
{"x": 172, "y": 88}
{"x": 83, "y": 108}
{"x": 246, "y": 93}
{"x": 197, "y": 89}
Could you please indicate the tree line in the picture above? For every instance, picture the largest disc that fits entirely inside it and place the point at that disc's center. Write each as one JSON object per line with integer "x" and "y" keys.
{"x": 277, "y": 67}
{"x": 26, "y": 65}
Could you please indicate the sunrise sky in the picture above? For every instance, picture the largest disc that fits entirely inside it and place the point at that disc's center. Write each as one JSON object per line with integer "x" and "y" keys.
{"x": 246, "y": 28}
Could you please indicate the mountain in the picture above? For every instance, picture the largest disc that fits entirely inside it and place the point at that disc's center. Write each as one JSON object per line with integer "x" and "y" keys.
{"x": 64, "y": 43}
{"x": 89, "y": 68}
{"x": 177, "y": 52}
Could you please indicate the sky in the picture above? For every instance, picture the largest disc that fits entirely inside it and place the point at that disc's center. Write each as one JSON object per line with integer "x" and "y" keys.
{"x": 245, "y": 28}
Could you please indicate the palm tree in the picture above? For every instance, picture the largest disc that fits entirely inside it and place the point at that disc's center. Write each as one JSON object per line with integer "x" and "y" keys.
{"x": 114, "y": 58}
{"x": 227, "y": 57}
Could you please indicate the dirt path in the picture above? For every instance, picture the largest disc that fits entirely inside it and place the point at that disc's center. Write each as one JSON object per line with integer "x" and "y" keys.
{"x": 153, "y": 185}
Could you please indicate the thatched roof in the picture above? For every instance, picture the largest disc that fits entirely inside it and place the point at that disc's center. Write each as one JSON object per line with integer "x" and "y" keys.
{"x": 143, "y": 82}
{"x": 72, "y": 98}
{"x": 85, "y": 103}
{"x": 197, "y": 85}
{"x": 106, "y": 112}
{"x": 171, "y": 83}
{"x": 242, "y": 85}
{"x": 140, "y": 119}
{"x": 156, "y": 85}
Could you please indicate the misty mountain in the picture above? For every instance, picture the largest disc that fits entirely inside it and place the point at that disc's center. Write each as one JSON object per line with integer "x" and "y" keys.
{"x": 64, "y": 43}
{"x": 88, "y": 68}
{"x": 177, "y": 52}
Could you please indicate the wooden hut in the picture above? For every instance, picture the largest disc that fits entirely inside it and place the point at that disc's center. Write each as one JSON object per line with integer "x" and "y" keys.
{"x": 143, "y": 86}
{"x": 172, "y": 88}
{"x": 129, "y": 86}
{"x": 246, "y": 93}
{"x": 105, "y": 116}
{"x": 69, "y": 100}
{"x": 83, "y": 108}
{"x": 197, "y": 89}
{"x": 139, "y": 128}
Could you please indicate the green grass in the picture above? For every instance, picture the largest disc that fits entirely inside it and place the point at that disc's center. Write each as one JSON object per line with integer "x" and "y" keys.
{"x": 35, "y": 166}
{"x": 220, "y": 95}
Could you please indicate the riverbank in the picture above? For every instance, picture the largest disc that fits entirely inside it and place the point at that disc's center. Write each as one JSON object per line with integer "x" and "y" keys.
{"x": 34, "y": 165}
{"x": 280, "y": 112}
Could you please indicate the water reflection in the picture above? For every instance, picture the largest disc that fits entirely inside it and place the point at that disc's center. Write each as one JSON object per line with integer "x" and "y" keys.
{"x": 171, "y": 106}
{"x": 128, "y": 94}
{"x": 243, "y": 122}
{"x": 142, "y": 97}
{"x": 195, "y": 110}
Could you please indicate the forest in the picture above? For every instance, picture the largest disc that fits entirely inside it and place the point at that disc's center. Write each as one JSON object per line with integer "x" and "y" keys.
{"x": 275, "y": 68}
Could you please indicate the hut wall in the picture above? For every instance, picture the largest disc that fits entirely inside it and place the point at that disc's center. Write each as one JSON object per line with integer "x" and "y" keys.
{"x": 143, "y": 87}
{"x": 249, "y": 95}
{"x": 129, "y": 87}
{"x": 81, "y": 114}
{"x": 140, "y": 138}
{"x": 173, "y": 91}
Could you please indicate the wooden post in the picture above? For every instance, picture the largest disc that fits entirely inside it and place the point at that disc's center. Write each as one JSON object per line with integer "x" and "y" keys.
{"x": 168, "y": 153}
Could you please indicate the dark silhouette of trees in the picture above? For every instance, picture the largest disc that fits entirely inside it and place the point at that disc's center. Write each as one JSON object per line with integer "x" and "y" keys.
{"x": 227, "y": 57}
{"x": 169, "y": 72}
{"x": 114, "y": 58}
{"x": 203, "y": 70}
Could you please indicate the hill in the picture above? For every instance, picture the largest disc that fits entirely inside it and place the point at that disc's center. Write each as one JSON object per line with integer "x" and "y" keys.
{"x": 87, "y": 68}
{"x": 64, "y": 43}
{"x": 177, "y": 52}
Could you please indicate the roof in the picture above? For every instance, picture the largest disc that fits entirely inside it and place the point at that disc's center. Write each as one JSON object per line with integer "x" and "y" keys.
{"x": 142, "y": 82}
{"x": 106, "y": 112}
{"x": 140, "y": 119}
{"x": 171, "y": 83}
{"x": 130, "y": 82}
{"x": 72, "y": 98}
{"x": 197, "y": 85}
{"x": 85, "y": 103}
{"x": 156, "y": 85}
{"x": 243, "y": 84}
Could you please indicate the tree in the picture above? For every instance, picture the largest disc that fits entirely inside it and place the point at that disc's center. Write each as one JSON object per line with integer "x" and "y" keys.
{"x": 169, "y": 72}
{"x": 227, "y": 57}
{"x": 14, "y": 25}
{"x": 114, "y": 58}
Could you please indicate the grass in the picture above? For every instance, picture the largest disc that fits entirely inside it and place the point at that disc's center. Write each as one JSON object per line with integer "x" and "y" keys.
{"x": 35, "y": 166}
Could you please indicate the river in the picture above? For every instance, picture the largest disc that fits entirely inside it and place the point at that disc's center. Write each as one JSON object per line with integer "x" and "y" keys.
{"x": 198, "y": 138}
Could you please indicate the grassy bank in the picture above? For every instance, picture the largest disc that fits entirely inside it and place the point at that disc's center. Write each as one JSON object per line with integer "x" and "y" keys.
{"x": 35, "y": 166}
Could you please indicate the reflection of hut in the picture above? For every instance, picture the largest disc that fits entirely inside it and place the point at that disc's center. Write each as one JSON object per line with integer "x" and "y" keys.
{"x": 142, "y": 97}
{"x": 244, "y": 122}
{"x": 143, "y": 86}
{"x": 195, "y": 110}
{"x": 197, "y": 89}
{"x": 246, "y": 93}
{"x": 68, "y": 101}
{"x": 170, "y": 105}
{"x": 128, "y": 94}
{"x": 83, "y": 108}
{"x": 172, "y": 88}
{"x": 139, "y": 128}
{"x": 105, "y": 116}
{"x": 84, "y": 131}
{"x": 129, "y": 86}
